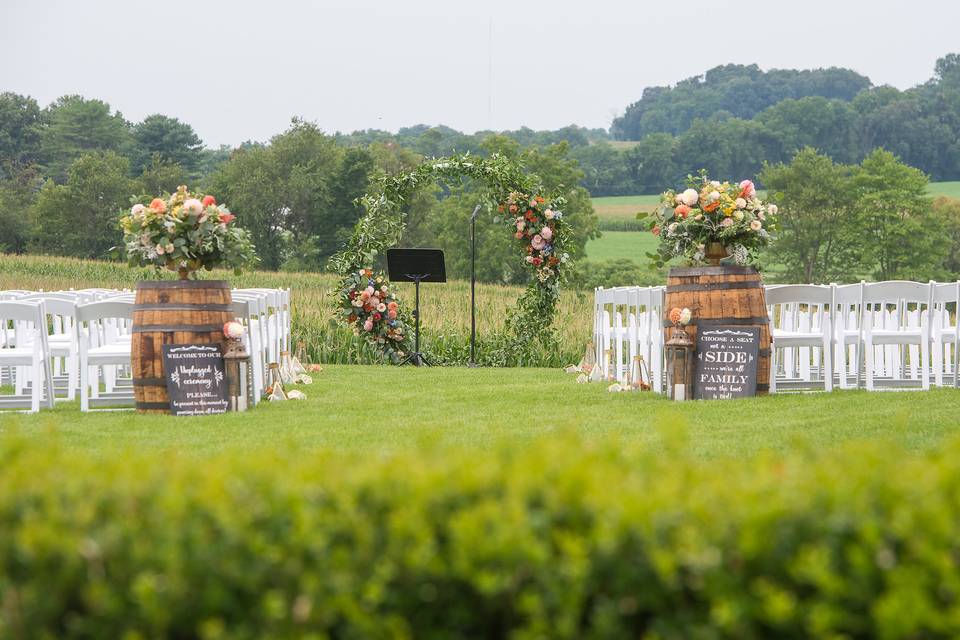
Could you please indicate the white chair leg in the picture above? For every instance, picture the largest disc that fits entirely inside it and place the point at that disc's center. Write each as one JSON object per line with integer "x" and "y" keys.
{"x": 869, "y": 352}
{"x": 84, "y": 388}
{"x": 937, "y": 362}
{"x": 773, "y": 368}
{"x": 36, "y": 389}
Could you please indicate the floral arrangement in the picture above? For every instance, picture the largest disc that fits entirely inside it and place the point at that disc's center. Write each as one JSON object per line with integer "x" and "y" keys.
{"x": 184, "y": 233}
{"x": 368, "y": 305}
{"x": 712, "y": 215}
{"x": 540, "y": 228}
{"x": 680, "y": 316}
{"x": 233, "y": 330}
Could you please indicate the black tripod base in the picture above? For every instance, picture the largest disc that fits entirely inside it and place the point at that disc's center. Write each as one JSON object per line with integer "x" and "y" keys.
{"x": 417, "y": 359}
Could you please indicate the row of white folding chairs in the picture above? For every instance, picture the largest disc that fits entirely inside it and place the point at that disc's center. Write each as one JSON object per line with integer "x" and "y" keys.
{"x": 895, "y": 332}
{"x": 627, "y": 323}
{"x": 96, "y": 337}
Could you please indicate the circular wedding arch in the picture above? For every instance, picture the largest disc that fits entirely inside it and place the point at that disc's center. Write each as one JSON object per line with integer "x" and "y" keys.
{"x": 534, "y": 218}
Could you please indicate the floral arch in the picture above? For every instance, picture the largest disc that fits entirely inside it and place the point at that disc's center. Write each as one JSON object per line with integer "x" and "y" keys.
{"x": 368, "y": 305}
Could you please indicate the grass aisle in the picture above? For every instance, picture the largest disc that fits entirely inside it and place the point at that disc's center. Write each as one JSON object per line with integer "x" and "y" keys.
{"x": 377, "y": 409}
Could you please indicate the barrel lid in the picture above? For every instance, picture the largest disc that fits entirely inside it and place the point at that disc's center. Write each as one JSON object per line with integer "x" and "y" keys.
{"x": 183, "y": 284}
{"x": 723, "y": 269}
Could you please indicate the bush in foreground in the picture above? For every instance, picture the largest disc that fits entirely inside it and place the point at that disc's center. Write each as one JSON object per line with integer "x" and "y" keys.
{"x": 560, "y": 539}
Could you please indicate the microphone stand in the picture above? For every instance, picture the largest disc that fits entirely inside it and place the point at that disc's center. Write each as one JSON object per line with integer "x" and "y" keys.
{"x": 473, "y": 285}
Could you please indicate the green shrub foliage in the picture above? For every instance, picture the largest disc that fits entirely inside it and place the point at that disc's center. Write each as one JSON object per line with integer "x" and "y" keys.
{"x": 563, "y": 539}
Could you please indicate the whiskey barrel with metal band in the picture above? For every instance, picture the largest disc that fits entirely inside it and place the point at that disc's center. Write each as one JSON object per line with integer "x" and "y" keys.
{"x": 722, "y": 295}
{"x": 172, "y": 312}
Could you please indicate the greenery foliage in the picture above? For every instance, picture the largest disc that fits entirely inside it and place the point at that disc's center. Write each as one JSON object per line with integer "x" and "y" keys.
{"x": 509, "y": 190}
{"x": 518, "y": 542}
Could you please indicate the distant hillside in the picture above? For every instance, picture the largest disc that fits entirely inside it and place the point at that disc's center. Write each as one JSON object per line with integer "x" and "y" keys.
{"x": 741, "y": 91}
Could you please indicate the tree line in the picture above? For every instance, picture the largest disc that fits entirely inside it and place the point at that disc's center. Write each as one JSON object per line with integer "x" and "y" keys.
{"x": 69, "y": 169}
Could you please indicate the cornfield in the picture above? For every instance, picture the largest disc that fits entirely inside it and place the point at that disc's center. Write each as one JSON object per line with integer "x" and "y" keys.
{"x": 445, "y": 308}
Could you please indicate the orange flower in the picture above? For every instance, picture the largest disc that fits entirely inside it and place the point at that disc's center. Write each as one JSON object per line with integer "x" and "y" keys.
{"x": 158, "y": 205}
{"x": 540, "y": 199}
{"x": 712, "y": 206}
{"x": 675, "y": 315}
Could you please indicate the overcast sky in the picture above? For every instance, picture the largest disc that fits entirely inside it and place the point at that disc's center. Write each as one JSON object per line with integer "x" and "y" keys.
{"x": 239, "y": 69}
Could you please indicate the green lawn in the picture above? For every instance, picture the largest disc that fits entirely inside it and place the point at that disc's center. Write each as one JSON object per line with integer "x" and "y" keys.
{"x": 622, "y": 245}
{"x": 382, "y": 409}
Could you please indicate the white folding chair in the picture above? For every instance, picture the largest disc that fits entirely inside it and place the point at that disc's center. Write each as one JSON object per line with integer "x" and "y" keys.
{"x": 807, "y": 326}
{"x": 911, "y": 300}
{"x": 246, "y": 312}
{"x": 944, "y": 331}
{"x": 29, "y": 349}
{"x": 99, "y": 327}
{"x": 846, "y": 316}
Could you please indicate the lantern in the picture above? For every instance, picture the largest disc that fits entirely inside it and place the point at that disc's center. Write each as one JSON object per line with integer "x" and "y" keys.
{"x": 678, "y": 352}
{"x": 236, "y": 363}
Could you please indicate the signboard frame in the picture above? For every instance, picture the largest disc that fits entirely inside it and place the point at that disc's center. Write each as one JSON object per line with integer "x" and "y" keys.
{"x": 732, "y": 375}
{"x": 196, "y": 379}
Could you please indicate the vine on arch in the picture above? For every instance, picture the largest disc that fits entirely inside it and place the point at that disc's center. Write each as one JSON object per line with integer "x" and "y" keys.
{"x": 535, "y": 219}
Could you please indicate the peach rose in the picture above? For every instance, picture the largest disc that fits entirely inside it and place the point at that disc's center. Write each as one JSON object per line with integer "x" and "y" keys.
{"x": 158, "y": 205}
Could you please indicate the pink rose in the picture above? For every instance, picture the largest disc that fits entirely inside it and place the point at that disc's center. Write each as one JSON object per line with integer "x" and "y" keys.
{"x": 747, "y": 188}
{"x": 520, "y": 224}
{"x": 726, "y": 222}
{"x": 368, "y": 325}
{"x": 374, "y": 301}
{"x": 546, "y": 233}
{"x": 756, "y": 225}
{"x": 194, "y": 206}
{"x": 392, "y": 314}
{"x": 537, "y": 242}
{"x": 381, "y": 307}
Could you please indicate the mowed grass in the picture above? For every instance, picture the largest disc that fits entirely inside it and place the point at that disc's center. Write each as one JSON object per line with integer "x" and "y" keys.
{"x": 381, "y": 409}
{"x": 945, "y": 189}
{"x": 623, "y": 207}
{"x": 622, "y": 245}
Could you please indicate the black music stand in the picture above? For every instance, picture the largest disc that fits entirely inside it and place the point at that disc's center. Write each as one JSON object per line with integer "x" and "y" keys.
{"x": 418, "y": 265}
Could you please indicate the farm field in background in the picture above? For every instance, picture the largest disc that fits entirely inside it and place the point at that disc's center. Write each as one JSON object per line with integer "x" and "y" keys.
{"x": 479, "y": 408}
{"x": 445, "y": 307}
{"x": 947, "y": 189}
{"x": 622, "y": 245}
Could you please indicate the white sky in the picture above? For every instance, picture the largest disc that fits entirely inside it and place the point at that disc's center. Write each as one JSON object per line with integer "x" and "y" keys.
{"x": 240, "y": 69}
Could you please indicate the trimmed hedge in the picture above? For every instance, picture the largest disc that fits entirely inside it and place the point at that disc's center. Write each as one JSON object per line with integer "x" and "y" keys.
{"x": 562, "y": 538}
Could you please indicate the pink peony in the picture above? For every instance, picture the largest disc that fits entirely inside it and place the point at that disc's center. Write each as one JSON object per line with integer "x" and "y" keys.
{"x": 546, "y": 233}
{"x": 368, "y": 325}
{"x": 690, "y": 197}
{"x": 137, "y": 209}
{"x": 374, "y": 301}
{"x": 537, "y": 242}
{"x": 726, "y": 222}
{"x": 194, "y": 206}
{"x": 233, "y": 330}
{"x": 369, "y": 291}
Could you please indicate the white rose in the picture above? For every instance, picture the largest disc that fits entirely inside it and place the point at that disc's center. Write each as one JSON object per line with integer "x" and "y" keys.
{"x": 755, "y": 225}
{"x": 672, "y": 228}
{"x": 690, "y": 197}
{"x": 685, "y": 316}
{"x": 715, "y": 183}
{"x": 740, "y": 202}
{"x": 714, "y": 196}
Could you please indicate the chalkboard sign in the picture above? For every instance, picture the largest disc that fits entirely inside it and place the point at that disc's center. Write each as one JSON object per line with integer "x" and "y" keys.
{"x": 195, "y": 379}
{"x": 726, "y": 362}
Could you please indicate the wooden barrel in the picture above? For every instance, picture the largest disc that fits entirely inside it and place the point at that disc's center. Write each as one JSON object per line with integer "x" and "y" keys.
{"x": 172, "y": 312}
{"x": 722, "y": 295}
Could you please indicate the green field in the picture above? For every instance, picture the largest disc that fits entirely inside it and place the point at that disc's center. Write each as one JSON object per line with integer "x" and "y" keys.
{"x": 383, "y": 408}
{"x": 622, "y": 245}
{"x": 623, "y": 207}
{"x": 946, "y": 189}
